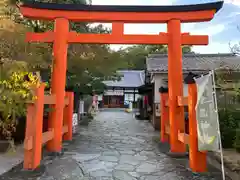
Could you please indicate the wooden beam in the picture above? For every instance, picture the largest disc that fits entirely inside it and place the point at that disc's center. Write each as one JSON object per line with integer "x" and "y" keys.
{"x": 28, "y": 143}
{"x": 184, "y": 138}
{"x": 117, "y": 38}
{"x": 66, "y": 101}
{"x": 182, "y": 101}
{"x": 118, "y": 28}
{"x": 167, "y": 129}
{"x": 46, "y": 136}
{"x": 65, "y": 129}
{"x": 49, "y": 99}
{"x": 47, "y": 37}
{"x": 127, "y": 17}
{"x": 166, "y": 103}
{"x": 194, "y": 39}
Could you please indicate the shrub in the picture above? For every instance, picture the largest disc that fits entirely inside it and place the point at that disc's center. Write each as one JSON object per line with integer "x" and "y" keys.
{"x": 228, "y": 124}
{"x": 15, "y": 91}
{"x": 237, "y": 140}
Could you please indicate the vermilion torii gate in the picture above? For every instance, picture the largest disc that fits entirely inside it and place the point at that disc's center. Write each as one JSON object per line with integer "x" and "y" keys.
{"x": 62, "y": 14}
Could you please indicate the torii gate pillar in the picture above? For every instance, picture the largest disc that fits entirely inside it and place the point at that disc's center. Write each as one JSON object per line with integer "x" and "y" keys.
{"x": 175, "y": 84}
{"x": 60, "y": 47}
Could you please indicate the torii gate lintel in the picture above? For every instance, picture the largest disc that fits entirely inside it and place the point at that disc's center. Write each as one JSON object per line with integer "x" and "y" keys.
{"x": 117, "y": 37}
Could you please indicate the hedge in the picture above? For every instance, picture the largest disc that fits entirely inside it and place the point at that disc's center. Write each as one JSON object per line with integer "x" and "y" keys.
{"x": 229, "y": 123}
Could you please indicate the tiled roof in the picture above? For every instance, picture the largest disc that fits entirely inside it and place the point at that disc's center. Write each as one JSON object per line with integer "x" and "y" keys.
{"x": 129, "y": 79}
{"x": 195, "y": 62}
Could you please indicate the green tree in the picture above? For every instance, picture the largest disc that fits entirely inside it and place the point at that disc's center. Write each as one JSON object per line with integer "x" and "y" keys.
{"x": 135, "y": 56}
{"x": 13, "y": 47}
{"x": 90, "y": 68}
{"x": 12, "y": 10}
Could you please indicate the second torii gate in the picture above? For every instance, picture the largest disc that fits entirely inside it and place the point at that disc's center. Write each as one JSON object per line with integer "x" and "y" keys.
{"x": 62, "y": 14}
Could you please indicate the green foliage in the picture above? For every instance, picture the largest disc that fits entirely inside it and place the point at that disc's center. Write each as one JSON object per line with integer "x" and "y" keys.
{"x": 134, "y": 57}
{"x": 8, "y": 67}
{"x": 229, "y": 121}
{"x": 15, "y": 91}
{"x": 38, "y": 25}
{"x": 89, "y": 65}
{"x": 36, "y": 56}
{"x": 237, "y": 140}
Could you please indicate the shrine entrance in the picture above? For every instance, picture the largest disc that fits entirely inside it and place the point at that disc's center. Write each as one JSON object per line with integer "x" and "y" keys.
{"x": 62, "y": 14}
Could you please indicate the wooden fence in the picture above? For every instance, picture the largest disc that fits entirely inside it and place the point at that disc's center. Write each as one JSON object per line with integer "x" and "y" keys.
{"x": 34, "y": 137}
{"x": 197, "y": 159}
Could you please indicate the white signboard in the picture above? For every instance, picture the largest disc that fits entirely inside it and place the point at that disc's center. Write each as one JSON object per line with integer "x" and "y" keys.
{"x": 128, "y": 97}
{"x": 81, "y": 107}
{"x": 75, "y": 122}
{"x": 129, "y": 91}
{"x": 100, "y": 97}
{"x": 137, "y": 96}
{"x": 114, "y": 93}
{"x": 157, "y": 109}
{"x": 207, "y": 115}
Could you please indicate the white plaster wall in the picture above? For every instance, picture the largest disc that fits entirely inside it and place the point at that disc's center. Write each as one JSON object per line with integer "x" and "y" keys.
{"x": 158, "y": 82}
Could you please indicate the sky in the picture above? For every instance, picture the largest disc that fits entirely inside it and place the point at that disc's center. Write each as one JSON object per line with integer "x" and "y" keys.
{"x": 222, "y": 30}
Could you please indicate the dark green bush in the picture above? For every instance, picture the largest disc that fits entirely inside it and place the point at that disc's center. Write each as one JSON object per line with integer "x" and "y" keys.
{"x": 237, "y": 140}
{"x": 15, "y": 90}
{"x": 228, "y": 120}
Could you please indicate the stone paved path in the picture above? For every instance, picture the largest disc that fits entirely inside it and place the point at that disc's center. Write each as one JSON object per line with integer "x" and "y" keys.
{"x": 114, "y": 146}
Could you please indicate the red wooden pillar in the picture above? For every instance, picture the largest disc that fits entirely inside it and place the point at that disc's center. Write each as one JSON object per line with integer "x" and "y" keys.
{"x": 197, "y": 160}
{"x": 175, "y": 84}
{"x": 58, "y": 83}
{"x": 164, "y": 114}
{"x": 68, "y": 116}
{"x": 33, "y": 135}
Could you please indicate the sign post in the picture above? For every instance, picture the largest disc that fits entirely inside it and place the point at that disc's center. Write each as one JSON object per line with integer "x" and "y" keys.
{"x": 208, "y": 128}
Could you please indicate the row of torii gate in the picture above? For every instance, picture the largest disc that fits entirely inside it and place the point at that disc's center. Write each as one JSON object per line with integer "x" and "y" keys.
{"x": 62, "y": 14}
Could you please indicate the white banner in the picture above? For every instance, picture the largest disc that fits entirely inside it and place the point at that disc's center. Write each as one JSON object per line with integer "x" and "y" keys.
{"x": 81, "y": 107}
{"x": 100, "y": 97}
{"x": 114, "y": 93}
{"x": 207, "y": 115}
{"x": 128, "y": 97}
{"x": 75, "y": 122}
{"x": 157, "y": 109}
